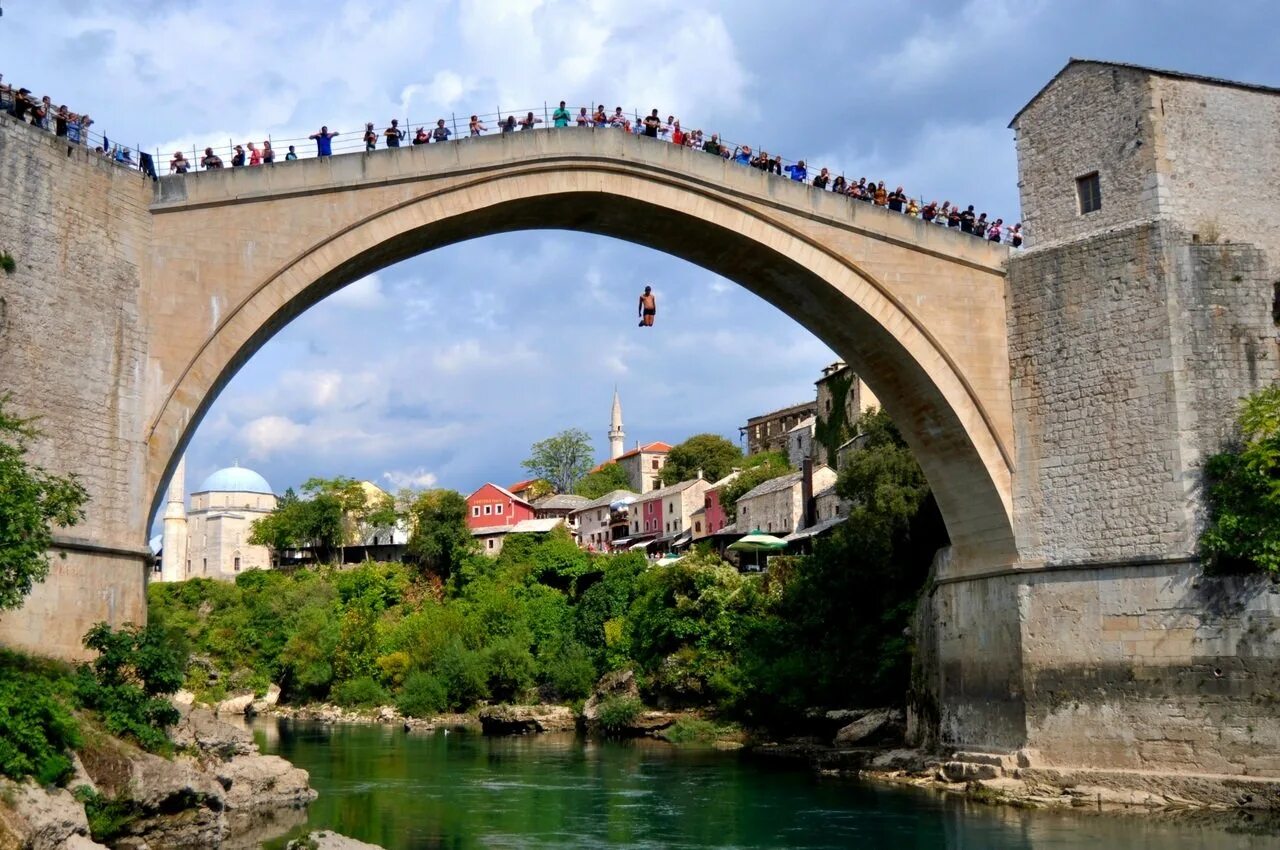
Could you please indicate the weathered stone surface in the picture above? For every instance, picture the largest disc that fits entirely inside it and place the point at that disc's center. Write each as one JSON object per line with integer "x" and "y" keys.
{"x": 614, "y": 684}
{"x": 267, "y": 701}
{"x": 263, "y": 782}
{"x": 36, "y": 818}
{"x": 236, "y": 705}
{"x": 966, "y": 771}
{"x": 879, "y": 726}
{"x": 198, "y": 728}
{"x": 522, "y": 719}
{"x": 326, "y": 840}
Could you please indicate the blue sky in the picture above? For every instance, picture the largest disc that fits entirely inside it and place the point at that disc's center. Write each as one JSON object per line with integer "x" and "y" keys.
{"x": 442, "y": 370}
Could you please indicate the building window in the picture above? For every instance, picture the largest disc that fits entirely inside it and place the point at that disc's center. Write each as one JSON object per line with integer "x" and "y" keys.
{"x": 490, "y": 542}
{"x": 204, "y": 564}
{"x": 671, "y": 508}
{"x": 188, "y": 566}
{"x": 475, "y": 510}
{"x": 697, "y": 526}
{"x": 488, "y": 509}
{"x": 668, "y": 528}
{"x": 744, "y": 511}
{"x": 237, "y": 563}
{"x": 635, "y": 527}
{"x": 599, "y": 516}
{"x": 497, "y": 509}
{"x": 1089, "y": 191}
{"x": 654, "y": 463}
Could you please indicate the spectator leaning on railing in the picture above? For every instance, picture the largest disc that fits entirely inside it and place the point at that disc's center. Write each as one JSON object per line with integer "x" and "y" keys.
{"x": 24, "y": 106}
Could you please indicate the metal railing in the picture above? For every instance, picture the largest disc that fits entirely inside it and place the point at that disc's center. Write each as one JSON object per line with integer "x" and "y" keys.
{"x": 346, "y": 141}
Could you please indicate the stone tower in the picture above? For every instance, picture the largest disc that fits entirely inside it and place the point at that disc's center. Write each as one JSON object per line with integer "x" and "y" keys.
{"x": 174, "y": 555}
{"x": 616, "y": 435}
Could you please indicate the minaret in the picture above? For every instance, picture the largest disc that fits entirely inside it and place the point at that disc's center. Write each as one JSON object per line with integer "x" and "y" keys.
{"x": 174, "y": 557}
{"x": 616, "y": 437}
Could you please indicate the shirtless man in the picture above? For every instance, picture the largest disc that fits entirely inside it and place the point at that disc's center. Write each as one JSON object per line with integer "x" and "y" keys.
{"x": 648, "y": 307}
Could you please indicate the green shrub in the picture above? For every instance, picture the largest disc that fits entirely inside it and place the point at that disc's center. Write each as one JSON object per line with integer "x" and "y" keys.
{"x": 127, "y": 683}
{"x": 7, "y": 262}
{"x": 1243, "y": 491}
{"x": 108, "y": 817}
{"x": 510, "y": 667}
{"x": 463, "y": 673}
{"x": 618, "y": 713}
{"x": 362, "y": 692}
{"x": 696, "y": 730}
{"x": 36, "y": 729}
{"x": 569, "y": 671}
{"x": 423, "y": 695}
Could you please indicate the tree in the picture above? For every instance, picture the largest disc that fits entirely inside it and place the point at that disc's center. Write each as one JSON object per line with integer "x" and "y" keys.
{"x": 606, "y": 479}
{"x": 712, "y": 455}
{"x": 353, "y": 502}
{"x": 562, "y": 460}
{"x": 32, "y": 501}
{"x": 440, "y": 536}
{"x": 1243, "y": 532}
{"x": 315, "y": 523}
{"x": 760, "y": 468}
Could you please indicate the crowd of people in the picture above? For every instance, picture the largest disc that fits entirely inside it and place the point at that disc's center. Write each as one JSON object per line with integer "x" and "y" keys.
{"x": 23, "y": 105}
{"x": 63, "y": 123}
{"x": 946, "y": 214}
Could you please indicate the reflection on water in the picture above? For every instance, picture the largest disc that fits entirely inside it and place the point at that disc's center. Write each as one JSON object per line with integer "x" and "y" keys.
{"x": 431, "y": 790}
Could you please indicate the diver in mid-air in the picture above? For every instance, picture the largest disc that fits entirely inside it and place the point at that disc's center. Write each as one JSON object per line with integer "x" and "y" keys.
{"x": 648, "y": 307}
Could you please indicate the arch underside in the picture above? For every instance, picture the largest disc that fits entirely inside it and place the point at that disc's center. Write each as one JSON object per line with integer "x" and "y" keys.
{"x": 919, "y": 385}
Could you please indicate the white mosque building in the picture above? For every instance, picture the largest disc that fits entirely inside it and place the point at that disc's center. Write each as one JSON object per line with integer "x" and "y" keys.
{"x": 211, "y": 539}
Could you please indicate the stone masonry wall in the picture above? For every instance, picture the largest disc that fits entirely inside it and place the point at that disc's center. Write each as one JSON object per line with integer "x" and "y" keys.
{"x": 1203, "y": 155}
{"x": 1128, "y": 352}
{"x": 72, "y": 352}
{"x": 1218, "y": 154}
{"x": 1094, "y": 118}
{"x": 1153, "y": 667}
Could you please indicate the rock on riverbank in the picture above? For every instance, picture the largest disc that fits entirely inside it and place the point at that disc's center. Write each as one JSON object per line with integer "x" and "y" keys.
{"x": 217, "y": 791}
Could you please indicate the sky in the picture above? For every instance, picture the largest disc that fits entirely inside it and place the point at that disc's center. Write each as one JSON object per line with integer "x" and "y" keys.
{"x": 444, "y": 369}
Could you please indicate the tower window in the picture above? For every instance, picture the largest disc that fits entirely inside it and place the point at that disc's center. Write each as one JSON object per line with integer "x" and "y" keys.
{"x": 1089, "y": 192}
{"x": 237, "y": 564}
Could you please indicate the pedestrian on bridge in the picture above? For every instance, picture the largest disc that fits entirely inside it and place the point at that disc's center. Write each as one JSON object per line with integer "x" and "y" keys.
{"x": 394, "y": 134}
{"x": 324, "y": 141}
{"x": 561, "y": 117}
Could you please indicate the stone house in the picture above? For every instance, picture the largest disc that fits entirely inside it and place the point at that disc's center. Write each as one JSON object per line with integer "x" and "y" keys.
{"x": 800, "y": 441}
{"x": 666, "y": 513}
{"x": 595, "y": 520}
{"x": 768, "y": 432}
{"x": 643, "y": 466}
{"x": 560, "y": 506}
{"x": 777, "y": 506}
{"x": 841, "y": 398}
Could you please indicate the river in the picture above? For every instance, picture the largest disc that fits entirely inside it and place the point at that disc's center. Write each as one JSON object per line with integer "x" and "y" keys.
{"x": 459, "y": 791}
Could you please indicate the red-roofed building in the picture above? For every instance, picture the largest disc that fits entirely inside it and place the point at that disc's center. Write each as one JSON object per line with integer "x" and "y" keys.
{"x": 643, "y": 465}
{"x": 494, "y": 507}
{"x": 521, "y": 489}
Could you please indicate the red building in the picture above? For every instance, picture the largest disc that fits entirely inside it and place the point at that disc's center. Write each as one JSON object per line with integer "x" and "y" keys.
{"x": 715, "y": 516}
{"x": 494, "y": 508}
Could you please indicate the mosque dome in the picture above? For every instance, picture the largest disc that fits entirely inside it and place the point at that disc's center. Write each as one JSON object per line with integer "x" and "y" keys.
{"x": 235, "y": 479}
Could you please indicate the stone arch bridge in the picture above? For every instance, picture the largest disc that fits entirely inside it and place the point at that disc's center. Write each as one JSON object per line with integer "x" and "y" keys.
{"x": 1059, "y": 401}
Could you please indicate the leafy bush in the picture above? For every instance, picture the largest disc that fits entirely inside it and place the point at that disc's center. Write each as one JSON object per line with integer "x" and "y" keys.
{"x": 1243, "y": 533}
{"x": 569, "y": 671}
{"x": 423, "y": 695}
{"x": 695, "y": 730}
{"x": 363, "y": 692}
{"x": 618, "y": 713}
{"x": 36, "y": 728}
{"x": 127, "y": 683}
{"x": 108, "y": 817}
{"x": 511, "y": 668}
{"x": 463, "y": 673}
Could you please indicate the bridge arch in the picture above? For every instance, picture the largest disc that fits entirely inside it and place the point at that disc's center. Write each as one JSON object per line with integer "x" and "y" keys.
{"x": 838, "y": 279}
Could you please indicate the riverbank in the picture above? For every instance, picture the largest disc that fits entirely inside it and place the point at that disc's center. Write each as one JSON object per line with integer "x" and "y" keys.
{"x": 1002, "y": 780}
{"x": 217, "y": 789}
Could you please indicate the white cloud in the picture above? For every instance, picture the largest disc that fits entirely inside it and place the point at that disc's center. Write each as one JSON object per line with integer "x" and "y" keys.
{"x": 365, "y": 294}
{"x": 264, "y": 435}
{"x": 418, "y": 478}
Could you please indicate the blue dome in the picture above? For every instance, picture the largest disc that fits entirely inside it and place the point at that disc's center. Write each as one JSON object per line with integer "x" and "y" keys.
{"x": 235, "y": 479}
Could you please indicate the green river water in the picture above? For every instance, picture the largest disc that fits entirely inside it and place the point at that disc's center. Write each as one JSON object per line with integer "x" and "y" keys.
{"x": 459, "y": 791}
